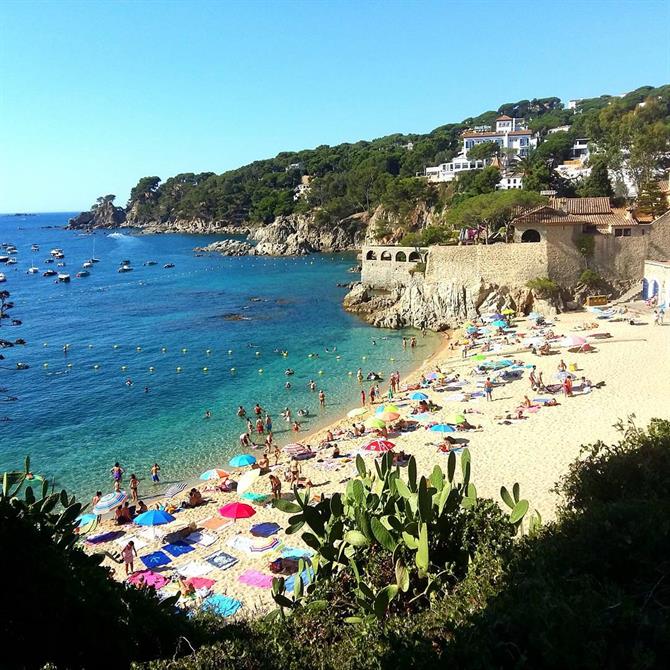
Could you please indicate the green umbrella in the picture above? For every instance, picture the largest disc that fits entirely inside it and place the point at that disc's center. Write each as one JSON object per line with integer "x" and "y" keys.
{"x": 373, "y": 422}
{"x": 479, "y": 357}
{"x": 455, "y": 419}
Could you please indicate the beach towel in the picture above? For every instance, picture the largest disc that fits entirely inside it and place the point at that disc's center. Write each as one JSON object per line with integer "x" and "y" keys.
{"x": 155, "y": 560}
{"x": 221, "y": 560}
{"x": 255, "y": 497}
{"x": 137, "y": 541}
{"x": 195, "y": 569}
{"x": 239, "y": 542}
{"x": 304, "y": 576}
{"x": 257, "y": 579}
{"x": 148, "y": 578}
{"x": 201, "y": 582}
{"x": 261, "y": 544}
{"x": 203, "y": 539}
{"x": 101, "y": 538}
{"x": 222, "y": 605}
{"x": 265, "y": 529}
{"x": 178, "y": 548}
{"x": 216, "y": 523}
{"x": 295, "y": 552}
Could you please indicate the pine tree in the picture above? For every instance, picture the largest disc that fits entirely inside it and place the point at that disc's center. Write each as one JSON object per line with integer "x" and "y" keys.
{"x": 598, "y": 183}
{"x": 651, "y": 199}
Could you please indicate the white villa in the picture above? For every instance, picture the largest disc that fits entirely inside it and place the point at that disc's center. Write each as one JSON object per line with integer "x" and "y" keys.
{"x": 510, "y": 133}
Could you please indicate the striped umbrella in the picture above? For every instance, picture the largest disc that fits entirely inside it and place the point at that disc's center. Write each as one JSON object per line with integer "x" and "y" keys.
{"x": 175, "y": 489}
{"x": 216, "y": 473}
{"x": 294, "y": 448}
{"x": 573, "y": 341}
{"x": 379, "y": 445}
{"x": 109, "y": 502}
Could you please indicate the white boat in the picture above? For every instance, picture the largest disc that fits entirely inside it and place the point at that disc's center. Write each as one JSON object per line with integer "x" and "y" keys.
{"x": 35, "y": 247}
{"x": 11, "y": 250}
{"x": 4, "y": 259}
{"x": 56, "y": 251}
{"x": 60, "y": 265}
{"x": 2, "y": 277}
{"x": 87, "y": 264}
{"x": 125, "y": 268}
{"x": 63, "y": 277}
{"x": 49, "y": 273}
{"x": 82, "y": 273}
{"x": 32, "y": 270}
{"x": 93, "y": 260}
{"x": 11, "y": 261}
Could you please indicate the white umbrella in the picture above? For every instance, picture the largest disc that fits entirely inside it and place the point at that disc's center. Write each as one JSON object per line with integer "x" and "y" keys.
{"x": 247, "y": 480}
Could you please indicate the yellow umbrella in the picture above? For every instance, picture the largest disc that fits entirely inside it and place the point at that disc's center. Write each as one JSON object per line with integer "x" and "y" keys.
{"x": 390, "y": 408}
{"x": 507, "y": 310}
{"x": 455, "y": 419}
{"x": 359, "y": 411}
{"x": 374, "y": 422}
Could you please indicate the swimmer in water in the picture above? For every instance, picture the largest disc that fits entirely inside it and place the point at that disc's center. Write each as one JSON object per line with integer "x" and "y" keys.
{"x": 241, "y": 412}
{"x": 287, "y": 386}
{"x": 129, "y": 382}
{"x": 208, "y": 414}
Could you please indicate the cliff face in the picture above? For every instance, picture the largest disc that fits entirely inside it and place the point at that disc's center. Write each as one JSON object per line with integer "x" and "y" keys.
{"x": 386, "y": 227}
{"x": 441, "y": 305}
{"x": 103, "y": 215}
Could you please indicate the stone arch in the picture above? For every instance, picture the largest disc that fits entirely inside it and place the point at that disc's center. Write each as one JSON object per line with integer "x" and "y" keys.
{"x": 386, "y": 256}
{"x": 530, "y": 235}
{"x": 401, "y": 257}
{"x": 371, "y": 256}
{"x": 414, "y": 257}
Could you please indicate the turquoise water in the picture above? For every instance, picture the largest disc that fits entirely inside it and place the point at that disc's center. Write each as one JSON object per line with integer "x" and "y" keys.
{"x": 76, "y": 421}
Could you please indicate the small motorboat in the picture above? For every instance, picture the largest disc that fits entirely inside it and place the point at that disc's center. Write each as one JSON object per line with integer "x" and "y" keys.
{"x": 4, "y": 259}
{"x": 60, "y": 265}
{"x": 11, "y": 249}
{"x": 2, "y": 277}
{"x": 125, "y": 268}
{"x": 56, "y": 251}
{"x": 35, "y": 247}
{"x": 167, "y": 266}
{"x": 63, "y": 277}
{"x": 83, "y": 273}
{"x": 59, "y": 256}
{"x": 49, "y": 273}
{"x": 32, "y": 270}
{"x": 11, "y": 261}
{"x": 150, "y": 263}
{"x": 87, "y": 264}
{"x": 49, "y": 260}
{"x": 93, "y": 260}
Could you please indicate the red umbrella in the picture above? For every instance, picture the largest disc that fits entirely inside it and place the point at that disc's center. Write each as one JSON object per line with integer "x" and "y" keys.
{"x": 235, "y": 510}
{"x": 379, "y": 445}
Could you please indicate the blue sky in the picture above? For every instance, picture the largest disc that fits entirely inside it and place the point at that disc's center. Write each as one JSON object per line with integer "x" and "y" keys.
{"x": 94, "y": 95}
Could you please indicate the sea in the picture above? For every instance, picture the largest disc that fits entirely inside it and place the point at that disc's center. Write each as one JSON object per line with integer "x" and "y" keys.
{"x": 122, "y": 367}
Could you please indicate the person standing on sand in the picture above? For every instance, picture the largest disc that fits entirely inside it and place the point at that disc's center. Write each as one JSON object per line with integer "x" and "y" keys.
{"x": 532, "y": 378}
{"x": 295, "y": 472}
{"x": 134, "y": 484}
{"x": 277, "y": 454}
{"x": 275, "y": 485}
{"x": 129, "y": 552}
{"x": 155, "y": 469}
{"x": 372, "y": 395}
{"x": 322, "y": 398}
{"x": 363, "y": 397}
{"x": 488, "y": 389}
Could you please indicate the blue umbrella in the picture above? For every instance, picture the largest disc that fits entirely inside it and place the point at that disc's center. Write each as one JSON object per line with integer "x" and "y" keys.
{"x": 154, "y": 517}
{"x": 109, "y": 502}
{"x": 471, "y": 329}
{"x": 500, "y": 323}
{"x": 418, "y": 396}
{"x": 84, "y": 519}
{"x": 536, "y": 315}
{"x": 241, "y": 460}
{"x": 443, "y": 428}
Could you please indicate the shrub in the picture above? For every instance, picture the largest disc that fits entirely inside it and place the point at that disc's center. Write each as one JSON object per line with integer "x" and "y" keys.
{"x": 543, "y": 286}
{"x": 590, "y": 278}
{"x": 586, "y": 245}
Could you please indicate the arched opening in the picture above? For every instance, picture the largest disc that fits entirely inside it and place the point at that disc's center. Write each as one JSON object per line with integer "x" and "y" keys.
{"x": 645, "y": 289}
{"x": 401, "y": 257}
{"x": 386, "y": 256}
{"x": 654, "y": 289}
{"x": 371, "y": 256}
{"x": 530, "y": 235}
{"x": 414, "y": 257}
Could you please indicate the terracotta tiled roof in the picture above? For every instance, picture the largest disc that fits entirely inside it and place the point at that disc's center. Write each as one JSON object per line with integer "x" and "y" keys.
{"x": 504, "y": 117}
{"x": 474, "y": 133}
{"x": 548, "y": 216}
{"x": 582, "y": 205}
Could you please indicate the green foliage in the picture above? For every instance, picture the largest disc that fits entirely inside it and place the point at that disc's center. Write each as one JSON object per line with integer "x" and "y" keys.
{"x": 484, "y": 151}
{"x": 652, "y": 200}
{"x": 543, "y": 286}
{"x": 590, "y": 278}
{"x": 476, "y": 182}
{"x": 597, "y": 184}
{"x": 586, "y": 245}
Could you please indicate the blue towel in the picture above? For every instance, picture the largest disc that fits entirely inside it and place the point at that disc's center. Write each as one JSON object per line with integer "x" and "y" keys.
{"x": 221, "y": 560}
{"x": 265, "y": 529}
{"x": 155, "y": 560}
{"x": 222, "y": 605}
{"x": 255, "y": 497}
{"x": 178, "y": 548}
{"x": 305, "y": 576}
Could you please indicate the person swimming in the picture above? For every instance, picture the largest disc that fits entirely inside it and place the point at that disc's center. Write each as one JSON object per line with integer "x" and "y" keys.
{"x": 288, "y": 372}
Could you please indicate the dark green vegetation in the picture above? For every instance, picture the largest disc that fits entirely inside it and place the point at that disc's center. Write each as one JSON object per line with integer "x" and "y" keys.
{"x": 350, "y": 178}
{"x": 429, "y": 575}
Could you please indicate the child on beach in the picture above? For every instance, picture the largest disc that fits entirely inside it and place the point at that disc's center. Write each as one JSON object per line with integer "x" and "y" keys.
{"x": 129, "y": 552}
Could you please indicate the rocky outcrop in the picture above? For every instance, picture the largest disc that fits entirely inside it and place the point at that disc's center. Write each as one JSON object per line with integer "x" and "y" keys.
{"x": 189, "y": 227}
{"x": 102, "y": 215}
{"x": 228, "y": 248}
{"x": 298, "y": 235}
{"x": 386, "y": 227}
{"x": 441, "y": 305}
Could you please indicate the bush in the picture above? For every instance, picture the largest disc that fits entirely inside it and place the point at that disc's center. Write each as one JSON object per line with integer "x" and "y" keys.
{"x": 586, "y": 245}
{"x": 590, "y": 278}
{"x": 544, "y": 286}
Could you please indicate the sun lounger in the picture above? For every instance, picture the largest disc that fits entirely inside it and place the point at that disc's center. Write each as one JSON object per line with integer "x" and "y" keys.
{"x": 178, "y": 548}
{"x": 221, "y": 560}
{"x": 222, "y": 605}
{"x": 155, "y": 559}
{"x": 257, "y": 579}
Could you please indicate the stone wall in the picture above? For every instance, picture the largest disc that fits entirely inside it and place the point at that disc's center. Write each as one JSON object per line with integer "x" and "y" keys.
{"x": 389, "y": 266}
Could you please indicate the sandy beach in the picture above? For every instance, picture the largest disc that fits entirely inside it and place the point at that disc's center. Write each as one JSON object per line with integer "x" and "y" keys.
{"x": 631, "y": 369}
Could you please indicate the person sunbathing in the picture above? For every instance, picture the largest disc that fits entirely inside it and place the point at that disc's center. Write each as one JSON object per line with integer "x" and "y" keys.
{"x": 527, "y": 402}
{"x": 194, "y": 498}
{"x": 544, "y": 350}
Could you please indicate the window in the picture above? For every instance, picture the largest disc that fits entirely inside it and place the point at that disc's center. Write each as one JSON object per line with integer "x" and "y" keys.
{"x": 626, "y": 232}
{"x": 414, "y": 257}
{"x": 371, "y": 256}
{"x": 523, "y": 141}
{"x": 401, "y": 257}
{"x": 589, "y": 229}
{"x": 386, "y": 256}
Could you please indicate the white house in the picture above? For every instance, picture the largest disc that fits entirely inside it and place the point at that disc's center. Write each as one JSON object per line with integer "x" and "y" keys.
{"x": 449, "y": 171}
{"x": 509, "y": 183}
{"x": 559, "y": 129}
{"x": 509, "y": 134}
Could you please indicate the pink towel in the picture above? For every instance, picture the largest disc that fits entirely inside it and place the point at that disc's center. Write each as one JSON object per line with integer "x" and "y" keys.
{"x": 148, "y": 577}
{"x": 201, "y": 582}
{"x": 255, "y": 578}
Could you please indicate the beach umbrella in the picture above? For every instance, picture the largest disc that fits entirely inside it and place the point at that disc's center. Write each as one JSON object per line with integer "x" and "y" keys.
{"x": 423, "y": 417}
{"x": 507, "y": 311}
{"x": 236, "y": 510}
{"x": 215, "y": 473}
{"x": 177, "y": 488}
{"x": 388, "y": 416}
{"x": 388, "y": 408}
{"x": 431, "y": 375}
{"x": 241, "y": 460}
{"x": 499, "y": 323}
{"x": 455, "y": 397}
{"x": 471, "y": 329}
{"x": 418, "y": 396}
{"x": 154, "y": 517}
{"x": 442, "y": 428}
{"x": 87, "y": 523}
{"x": 479, "y": 357}
{"x": 247, "y": 480}
{"x": 573, "y": 341}
{"x": 109, "y": 502}
{"x": 455, "y": 419}
{"x": 374, "y": 422}
{"x": 294, "y": 448}
{"x": 358, "y": 411}
{"x": 379, "y": 445}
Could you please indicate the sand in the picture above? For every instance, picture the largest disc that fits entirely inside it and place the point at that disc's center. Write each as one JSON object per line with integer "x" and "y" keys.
{"x": 634, "y": 365}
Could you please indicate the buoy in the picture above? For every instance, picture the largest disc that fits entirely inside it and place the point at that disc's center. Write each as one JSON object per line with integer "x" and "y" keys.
{"x": 260, "y": 370}
{"x": 163, "y": 349}
{"x": 208, "y": 352}
{"x": 124, "y": 368}
{"x": 230, "y": 351}
{"x": 350, "y": 373}
{"x": 183, "y": 351}
{"x": 233, "y": 369}
{"x": 151, "y": 369}
{"x": 258, "y": 353}
{"x": 320, "y": 372}
{"x": 392, "y": 360}
{"x": 90, "y": 346}
{"x": 365, "y": 358}
{"x": 337, "y": 358}
{"x": 116, "y": 346}
{"x": 46, "y": 344}
{"x": 139, "y": 348}
{"x": 95, "y": 367}
{"x": 45, "y": 365}
{"x": 178, "y": 369}
{"x": 69, "y": 365}
{"x": 205, "y": 369}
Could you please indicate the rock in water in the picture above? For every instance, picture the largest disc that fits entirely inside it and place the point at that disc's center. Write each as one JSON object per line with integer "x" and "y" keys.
{"x": 228, "y": 247}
